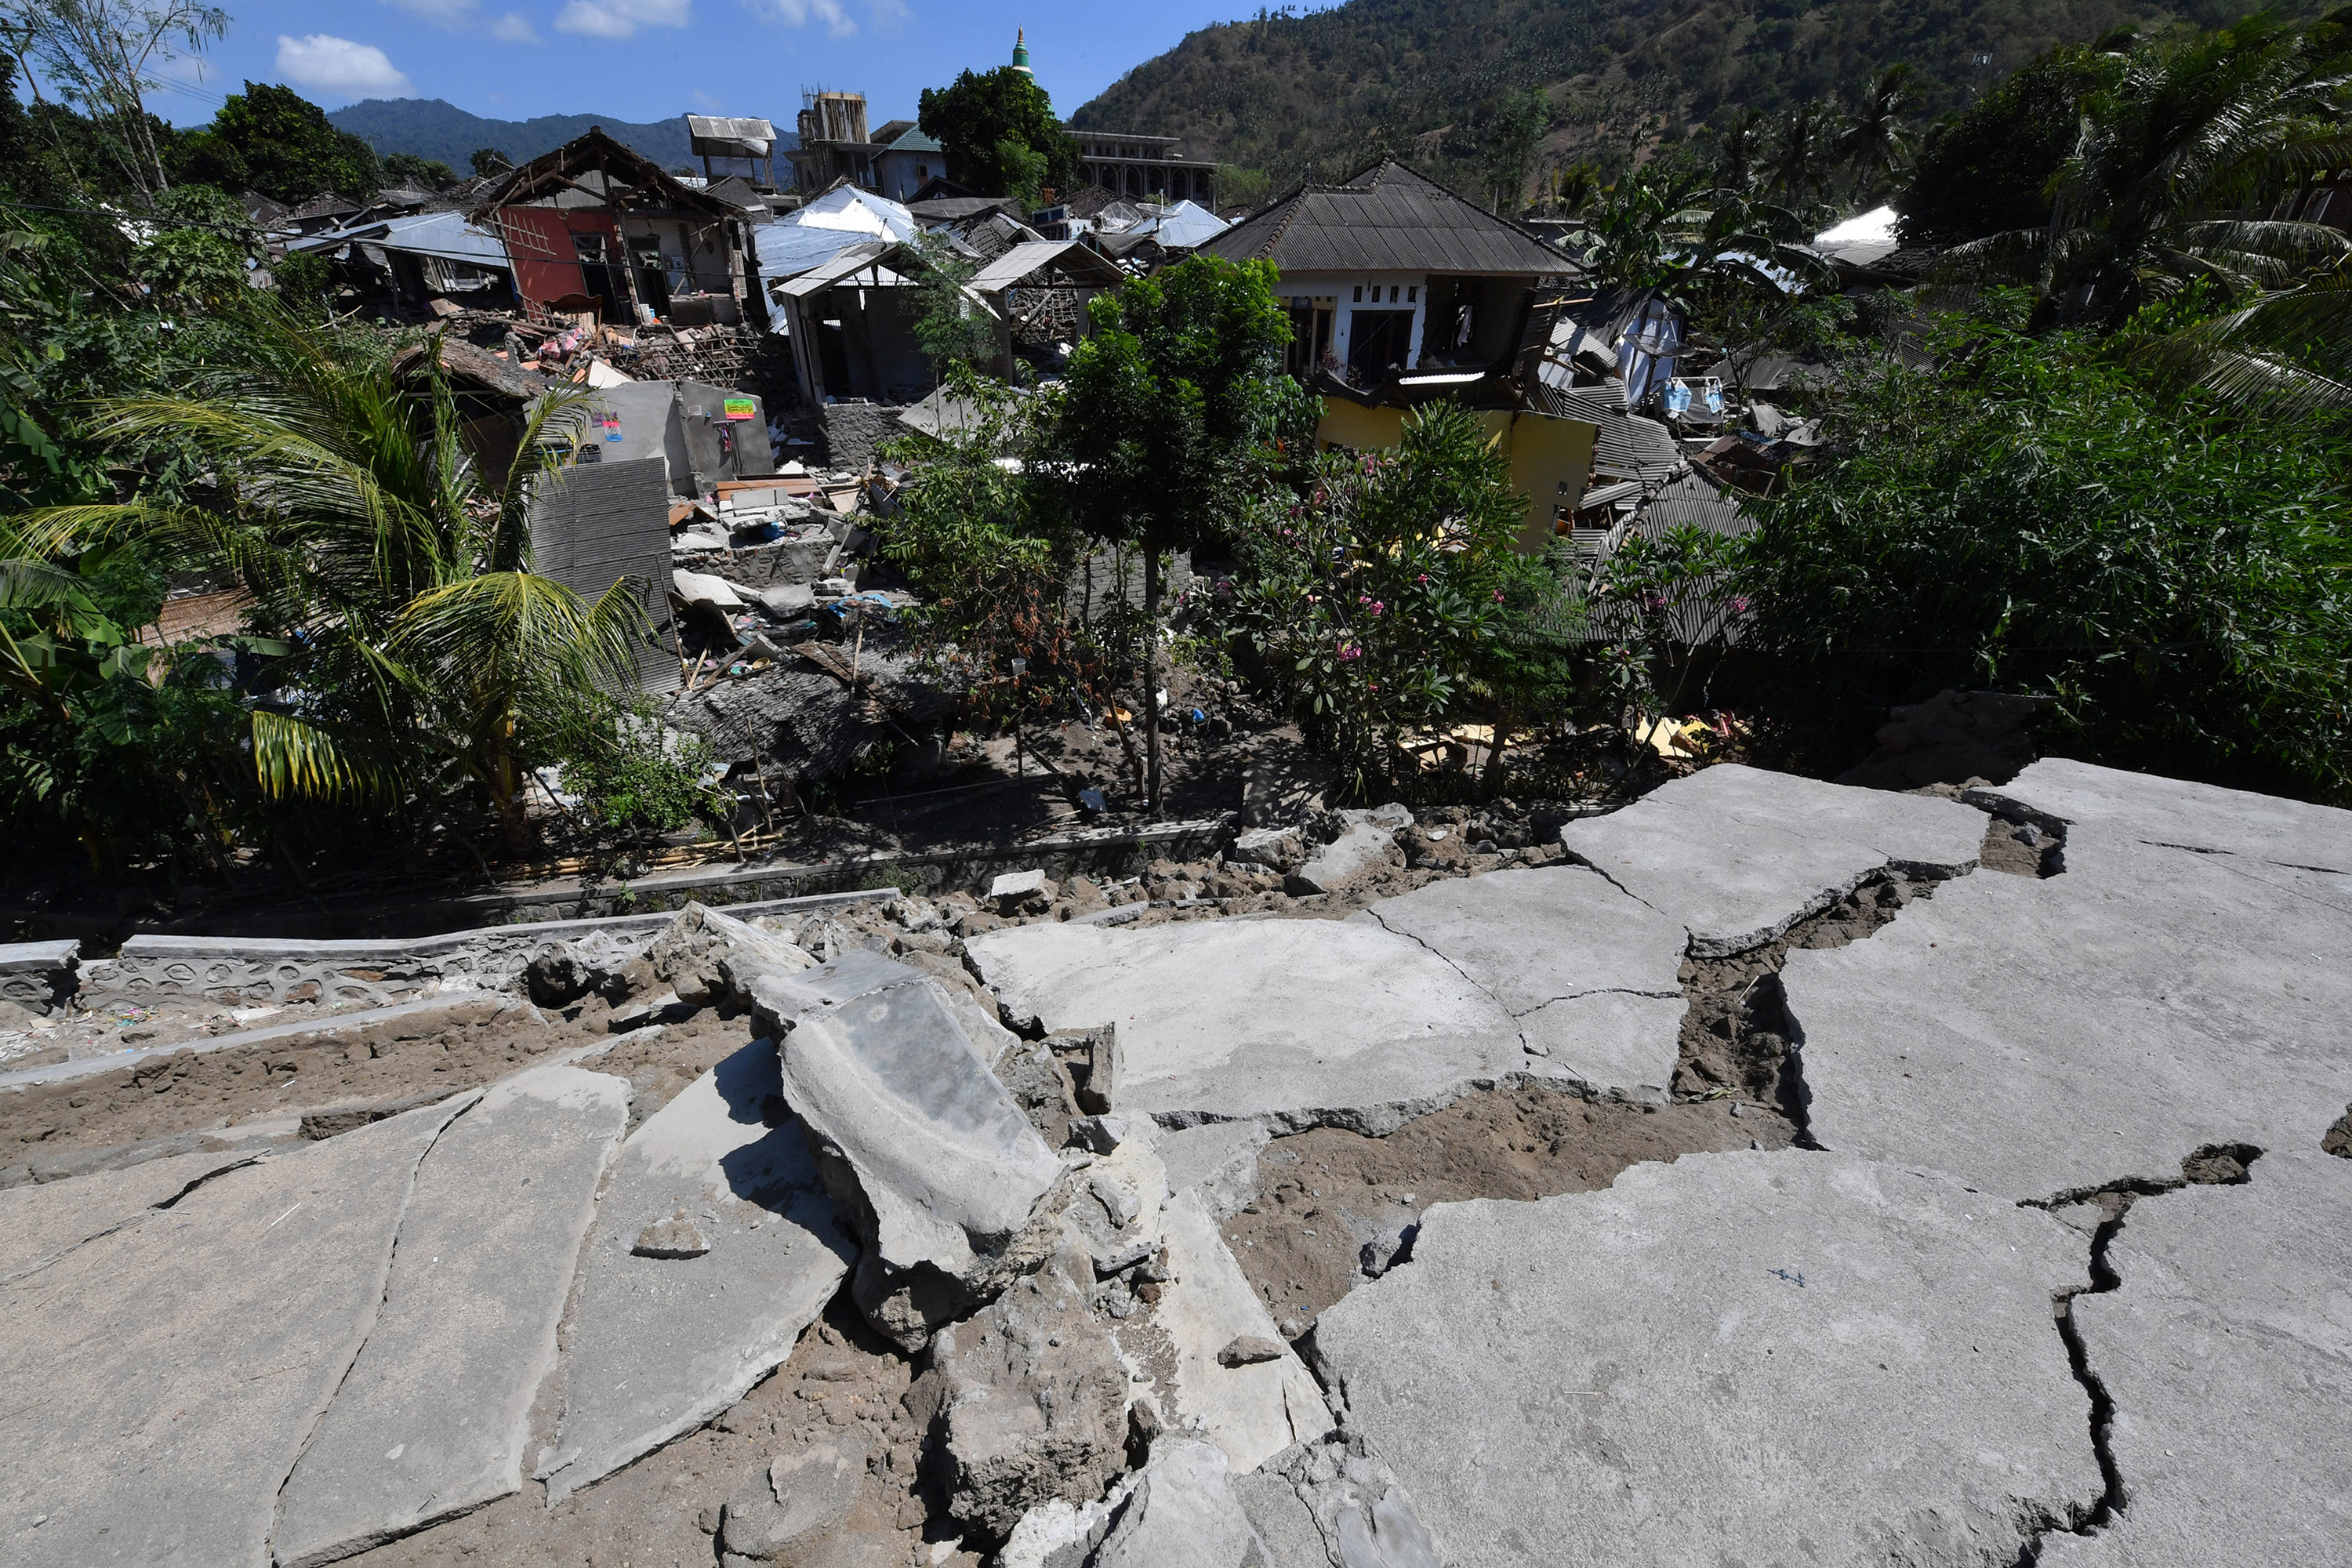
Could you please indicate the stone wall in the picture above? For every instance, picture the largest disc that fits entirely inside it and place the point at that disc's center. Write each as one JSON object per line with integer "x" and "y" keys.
{"x": 852, "y": 431}
{"x": 251, "y": 971}
{"x": 38, "y": 976}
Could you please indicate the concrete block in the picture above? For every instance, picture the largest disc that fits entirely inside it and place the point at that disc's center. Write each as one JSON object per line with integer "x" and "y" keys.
{"x": 433, "y": 1418}
{"x": 658, "y": 1346}
{"x": 1181, "y": 1514}
{"x": 706, "y": 956}
{"x": 38, "y": 976}
{"x": 951, "y": 1189}
{"x": 1360, "y": 852}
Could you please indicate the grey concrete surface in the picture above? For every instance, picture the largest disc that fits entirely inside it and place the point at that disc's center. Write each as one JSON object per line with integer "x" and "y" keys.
{"x": 1591, "y": 975}
{"x": 432, "y": 1420}
{"x": 656, "y": 1347}
{"x": 1252, "y": 1411}
{"x": 40, "y": 1224}
{"x": 931, "y": 1158}
{"x": 159, "y": 1382}
{"x": 1739, "y": 855}
{"x": 2227, "y": 1348}
{"x": 1292, "y": 1023}
{"x": 1639, "y": 1376}
{"x": 2154, "y": 810}
{"x": 38, "y": 976}
{"x": 1347, "y": 859}
{"x": 2040, "y": 1036}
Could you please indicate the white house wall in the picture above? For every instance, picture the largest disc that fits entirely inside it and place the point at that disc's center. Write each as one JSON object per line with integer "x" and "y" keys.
{"x": 1412, "y": 294}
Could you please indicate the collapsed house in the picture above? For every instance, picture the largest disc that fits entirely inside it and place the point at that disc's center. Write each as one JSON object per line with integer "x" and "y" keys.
{"x": 418, "y": 257}
{"x": 596, "y": 225}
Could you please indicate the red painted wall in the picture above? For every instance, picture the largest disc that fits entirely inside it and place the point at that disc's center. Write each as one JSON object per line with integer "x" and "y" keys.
{"x": 539, "y": 243}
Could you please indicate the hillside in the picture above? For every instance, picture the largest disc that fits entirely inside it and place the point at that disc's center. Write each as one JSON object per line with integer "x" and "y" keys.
{"x": 432, "y": 128}
{"x": 1328, "y": 89}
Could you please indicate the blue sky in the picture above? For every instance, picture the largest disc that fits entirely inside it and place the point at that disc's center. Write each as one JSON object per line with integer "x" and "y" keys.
{"x": 649, "y": 59}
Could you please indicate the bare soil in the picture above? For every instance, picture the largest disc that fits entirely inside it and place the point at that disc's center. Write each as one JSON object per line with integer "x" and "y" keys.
{"x": 1327, "y": 1192}
{"x": 419, "y": 1056}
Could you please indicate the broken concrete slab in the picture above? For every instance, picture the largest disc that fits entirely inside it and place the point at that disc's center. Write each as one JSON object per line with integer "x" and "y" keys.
{"x": 160, "y": 1380}
{"x": 656, "y": 1347}
{"x": 40, "y": 1223}
{"x": 1217, "y": 1160}
{"x": 432, "y": 1420}
{"x": 1361, "y": 851}
{"x": 1355, "y": 1512}
{"x": 2227, "y": 1348}
{"x": 1293, "y": 1023}
{"x": 1252, "y": 1409}
{"x": 1026, "y": 1401}
{"x": 1275, "y": 849}
{"x": 1039, "y": 1084}
{"x": 1182, "y": 1513}
{"x": 1591, "y": 975}
{"x": 1017, "y": 891}
{"x": 937, "y": 1170}
{"x": 1821, "y": 1350}
{"x": 1739, "y": 855}
{"x": 705, "y": 957}
{"x": 2160, "y": 811}
{"x": 2042, "y": 1037}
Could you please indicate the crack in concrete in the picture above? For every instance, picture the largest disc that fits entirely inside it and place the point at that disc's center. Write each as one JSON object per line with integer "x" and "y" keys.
{"x": 127, "y": 1221}
{"x": 367, "y": 1330}
{"x": 2214, "y": 1164}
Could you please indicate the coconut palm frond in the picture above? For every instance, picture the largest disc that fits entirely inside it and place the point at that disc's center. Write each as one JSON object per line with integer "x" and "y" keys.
{"x": 294, "y": 758}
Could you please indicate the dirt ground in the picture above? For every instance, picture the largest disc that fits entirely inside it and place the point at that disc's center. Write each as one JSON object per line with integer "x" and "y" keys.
{"x": 427, "y": 1056}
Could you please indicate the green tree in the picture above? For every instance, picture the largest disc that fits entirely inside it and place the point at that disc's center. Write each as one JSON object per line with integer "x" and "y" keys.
{"x": 1164, "y": 417}
{"x": 1802, "y": 155}
{"x": 953, "y": 328}
{"x": 106, "y": 56}
{"x": 1242, "y": 187}
{"x": 974, "y": 119}
{"x": 1513, "y": 135}
{"x": 2029, "y": 517}
{"x": 425, "y": 652}
{"x": 488, "y": 161}
{"x": 1382, "y": 592}
{"x": 1671, "y": 231}
{"x": 425, "y": 173}
{"x": 290, "y": 151}
{"x": 1875, "y": 144}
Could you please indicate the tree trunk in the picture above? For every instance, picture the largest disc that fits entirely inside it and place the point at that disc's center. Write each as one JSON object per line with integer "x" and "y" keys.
{"x": 1151, "y": 677}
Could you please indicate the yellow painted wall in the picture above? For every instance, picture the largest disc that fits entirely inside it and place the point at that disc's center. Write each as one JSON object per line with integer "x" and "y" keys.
{"x": 1550, "y": 458}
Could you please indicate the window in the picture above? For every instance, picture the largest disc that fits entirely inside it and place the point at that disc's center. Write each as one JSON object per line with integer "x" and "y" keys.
{"x": 1413, "y": 295}
{"x": 1360, "y": 294}
{"x": 1392, "y": 293}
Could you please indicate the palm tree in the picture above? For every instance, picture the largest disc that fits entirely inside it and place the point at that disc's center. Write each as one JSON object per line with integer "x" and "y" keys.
{"x": 1803, "y": 154}
{"x": 423, "y": 651}
{"x": 1874, "y": 146}
{"x": 1740, "y": 154}
{"x": 2286, "y": 354}
{"x": 2199, "y": 132}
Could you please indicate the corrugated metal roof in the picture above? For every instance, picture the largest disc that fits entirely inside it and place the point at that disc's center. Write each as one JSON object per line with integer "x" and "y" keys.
{"x": 1634, "y": 448}
{"x": 1693, "y": 500}
{"x": 1387, "y": 219}
{"x": 1597, "y": 404}
{"x": 1024, "y": 260}
{"x": 446, "y": 236}
{"x": 848, "y": 263}
{"x": 722, "y": 136}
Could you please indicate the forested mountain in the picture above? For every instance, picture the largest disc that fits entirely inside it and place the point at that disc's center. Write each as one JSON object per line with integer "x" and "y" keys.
{"x": 432, "y": 128}
{"x": 1326, "y": 90}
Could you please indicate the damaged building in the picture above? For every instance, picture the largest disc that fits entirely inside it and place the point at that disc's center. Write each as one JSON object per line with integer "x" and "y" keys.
{"x": 596, "y": 225}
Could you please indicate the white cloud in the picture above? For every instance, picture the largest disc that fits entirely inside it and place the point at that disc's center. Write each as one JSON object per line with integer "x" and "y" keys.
{"x": 705, "y": 102}
{"x": 889, "y": 15}
{"x": 622, "y": 18}
{"x": 838, "y": 23}
{"x": 466, "y": 16}
{"x": 337, "y": 66}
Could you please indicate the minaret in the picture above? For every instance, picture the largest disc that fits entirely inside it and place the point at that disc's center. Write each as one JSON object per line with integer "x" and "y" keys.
{"x": 1021, "y": 52}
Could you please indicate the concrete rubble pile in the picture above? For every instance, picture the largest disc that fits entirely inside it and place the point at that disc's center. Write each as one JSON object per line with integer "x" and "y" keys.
{"x": 1013, "y": 1160}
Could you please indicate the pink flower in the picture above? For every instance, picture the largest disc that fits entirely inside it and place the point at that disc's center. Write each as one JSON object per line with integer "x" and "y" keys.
{"x": 1739, "y": 605}
{"x": 1423, "y": 578}
{"x": 1377, "y": 606}
{"x": 1498, "y": 595}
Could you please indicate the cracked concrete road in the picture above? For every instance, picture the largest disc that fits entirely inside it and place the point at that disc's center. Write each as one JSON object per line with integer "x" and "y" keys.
{"x": 2226, "y": 1345}
{"x": 1745, "y": 1357}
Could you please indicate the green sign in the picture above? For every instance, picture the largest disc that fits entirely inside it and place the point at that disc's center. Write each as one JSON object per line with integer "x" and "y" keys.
{"x": 742, "y": 408}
